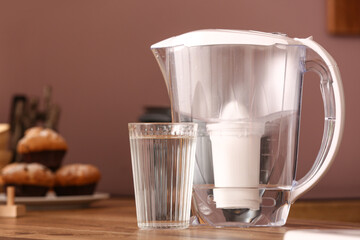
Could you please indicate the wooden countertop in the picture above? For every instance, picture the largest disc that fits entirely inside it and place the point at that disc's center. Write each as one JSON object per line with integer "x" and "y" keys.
{"x": 115, "y": 219}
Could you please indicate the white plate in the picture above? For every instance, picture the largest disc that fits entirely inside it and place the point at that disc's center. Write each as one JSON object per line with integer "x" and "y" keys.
{"x": 51, "y": 201}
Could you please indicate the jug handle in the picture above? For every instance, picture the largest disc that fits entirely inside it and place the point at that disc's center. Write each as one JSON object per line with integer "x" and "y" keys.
{"x": 334, "y": 111}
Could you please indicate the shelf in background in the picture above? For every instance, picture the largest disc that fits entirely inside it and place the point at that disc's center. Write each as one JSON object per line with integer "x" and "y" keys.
{"x": 343, "y": 17}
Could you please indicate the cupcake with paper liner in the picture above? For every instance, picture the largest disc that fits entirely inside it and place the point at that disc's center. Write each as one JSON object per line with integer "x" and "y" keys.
{"x": 42, "y": 145}
{"x": 29, "y": 179}
{"x": 76, "y": 179}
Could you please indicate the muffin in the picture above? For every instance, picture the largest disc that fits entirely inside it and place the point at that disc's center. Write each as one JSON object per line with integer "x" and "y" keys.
{"x": 29, "y": 179}
{"x": 76, "y": 179}
{"x": 44, "y": 146}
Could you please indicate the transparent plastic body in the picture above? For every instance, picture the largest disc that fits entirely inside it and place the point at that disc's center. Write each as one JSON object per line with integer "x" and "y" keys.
{"x": 163, "y": 157}
{"x": 247, "y": 102}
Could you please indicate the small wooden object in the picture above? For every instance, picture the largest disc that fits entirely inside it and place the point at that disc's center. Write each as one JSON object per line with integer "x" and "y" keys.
{"x": 344, "y": 17}
{"x": 10, "y": 209}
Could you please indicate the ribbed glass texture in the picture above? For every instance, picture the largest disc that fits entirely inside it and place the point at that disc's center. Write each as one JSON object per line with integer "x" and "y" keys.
{"x": 163, "y": 157}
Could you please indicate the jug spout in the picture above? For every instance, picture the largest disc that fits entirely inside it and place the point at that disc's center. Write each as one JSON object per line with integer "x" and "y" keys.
{"x": 160, "y": 56}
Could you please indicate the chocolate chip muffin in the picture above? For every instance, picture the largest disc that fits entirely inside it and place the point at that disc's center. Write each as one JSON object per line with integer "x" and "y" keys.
{"x": 76, "y": 179}
{"x": 44, "y": 146}
{"x": 31, "y": 179}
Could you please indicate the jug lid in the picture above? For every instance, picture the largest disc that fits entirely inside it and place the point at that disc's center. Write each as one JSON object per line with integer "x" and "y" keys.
{"x": 226, "y": 37}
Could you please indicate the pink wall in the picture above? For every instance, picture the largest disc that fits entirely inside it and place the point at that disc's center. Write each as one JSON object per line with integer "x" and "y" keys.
{"x": 96, "y": 56}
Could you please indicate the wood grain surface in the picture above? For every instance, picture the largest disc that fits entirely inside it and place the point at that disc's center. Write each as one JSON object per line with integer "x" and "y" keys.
{"x": 116, "y": 219}
{"x": 341, "y": 210}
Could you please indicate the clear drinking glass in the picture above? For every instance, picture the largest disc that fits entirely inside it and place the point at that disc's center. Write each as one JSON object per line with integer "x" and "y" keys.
{"x": 163, "y": 158}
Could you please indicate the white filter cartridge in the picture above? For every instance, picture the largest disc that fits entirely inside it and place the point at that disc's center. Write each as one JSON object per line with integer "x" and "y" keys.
{"x": 236, "y": 161}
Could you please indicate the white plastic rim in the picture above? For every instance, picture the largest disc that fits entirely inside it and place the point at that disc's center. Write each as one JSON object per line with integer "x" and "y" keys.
{"x": 223, "y": 36}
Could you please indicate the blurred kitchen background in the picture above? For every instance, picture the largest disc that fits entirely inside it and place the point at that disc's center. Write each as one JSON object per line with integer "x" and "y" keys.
{"x": 95, "y": 54}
